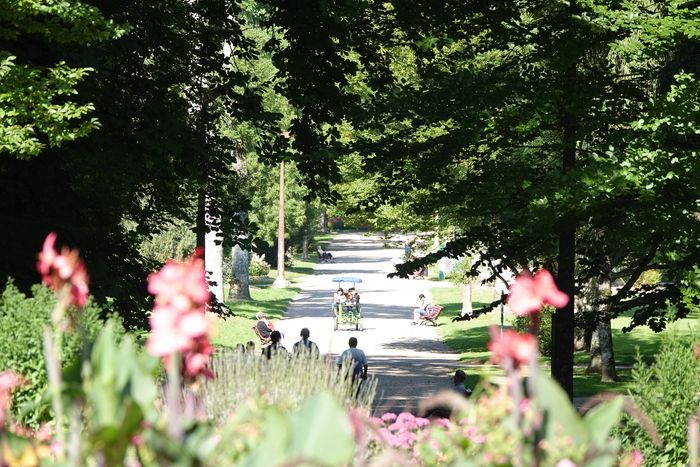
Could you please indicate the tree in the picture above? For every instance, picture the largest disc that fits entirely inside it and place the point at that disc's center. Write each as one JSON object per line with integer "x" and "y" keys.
{"x": 36, "y": 103}
{"x": 160, "y": 92}
{"x": 518, "y": 125}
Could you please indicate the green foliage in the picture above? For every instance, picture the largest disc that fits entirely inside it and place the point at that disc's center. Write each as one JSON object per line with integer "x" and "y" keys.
{"x": 176, "y": 242}
{"x": 544, "y": 333}
{"x": 37, "y": 103}
{"x": 22, "y": 322}
{"x": 258, "y": 267}
{"x": 666, "y": 391}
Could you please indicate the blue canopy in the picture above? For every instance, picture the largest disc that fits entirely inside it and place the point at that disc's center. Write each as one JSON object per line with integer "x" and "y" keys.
{"x": 354, "y": 280}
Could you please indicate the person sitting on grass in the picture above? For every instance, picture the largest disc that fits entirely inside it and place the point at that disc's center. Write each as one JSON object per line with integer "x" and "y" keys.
{"x": 422, "y": 310}
{"x": 276, "y": 347}
{"x": 459, "y": 380}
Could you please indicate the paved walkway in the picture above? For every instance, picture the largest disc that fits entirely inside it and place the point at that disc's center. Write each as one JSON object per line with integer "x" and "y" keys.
{"x": 409, "y": 361}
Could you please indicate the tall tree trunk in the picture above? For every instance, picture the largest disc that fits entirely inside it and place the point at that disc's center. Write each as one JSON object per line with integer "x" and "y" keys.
{"x": 563, "y": 320}
{"x": 305, "y": 243}
{"x": 240, "y": 284}
{"x": 201, "y": 220}
{"x": 280, "y": 281}
{"x": 602, "y": 354}
{"x": 467, "y": 297}
{"x": 214, "y": 255}
{"x": 324, "y": 221}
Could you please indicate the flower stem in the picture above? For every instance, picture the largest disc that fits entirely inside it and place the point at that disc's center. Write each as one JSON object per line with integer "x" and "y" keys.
{"x": 53, "y": 370}
{"x": 174, "y": 398}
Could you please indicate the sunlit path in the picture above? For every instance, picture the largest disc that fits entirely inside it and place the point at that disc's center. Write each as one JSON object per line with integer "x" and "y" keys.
{"x": 410, "y": 361}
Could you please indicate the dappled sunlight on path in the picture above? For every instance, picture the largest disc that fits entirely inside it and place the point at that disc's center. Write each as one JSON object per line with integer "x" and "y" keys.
{"x": 410, "y": 361}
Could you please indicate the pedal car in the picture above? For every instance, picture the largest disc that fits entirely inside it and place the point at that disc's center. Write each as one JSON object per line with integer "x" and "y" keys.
{"x": 346, "y": 307}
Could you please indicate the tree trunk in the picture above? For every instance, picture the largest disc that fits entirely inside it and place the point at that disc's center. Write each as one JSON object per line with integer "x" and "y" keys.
{"x": 214, "y": 256}
{"x": 280, "y": 281}
{"x": 587, "y": 307}
{"x": 563, "y": 320}
{"x": 324, "y": 221}
{"x": 201, "y": 221}
{"x": 240, "y": 285}
{"x": 602, "y": 354}
{"x": 467, "y": 298}
{"x": 305, "y": 244}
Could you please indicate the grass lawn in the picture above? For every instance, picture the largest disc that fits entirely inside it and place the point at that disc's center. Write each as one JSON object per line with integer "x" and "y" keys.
{"x": 273, "y": 302}
{"x": 470, "y": 339}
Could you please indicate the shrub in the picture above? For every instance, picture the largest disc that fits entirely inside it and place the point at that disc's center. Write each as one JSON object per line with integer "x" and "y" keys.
{"x": 544, "y": 334}
{"x": 667, "y": 392}
{"x": 22, "y": 320}
{"x": 258, "y": 266}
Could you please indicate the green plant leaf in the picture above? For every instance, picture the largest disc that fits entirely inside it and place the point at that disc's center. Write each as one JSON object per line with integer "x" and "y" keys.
{"x": 601, "y": 419}
{"x": 560, "y": 417}
{"x": 321, "y": 431}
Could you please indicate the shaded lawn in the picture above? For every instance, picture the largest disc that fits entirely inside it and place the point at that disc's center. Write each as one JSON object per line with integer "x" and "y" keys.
{"x": 470, "y": 338}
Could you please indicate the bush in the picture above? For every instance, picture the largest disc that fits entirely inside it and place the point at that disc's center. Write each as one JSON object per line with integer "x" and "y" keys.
{"x": 22, "y": 320}
{"x": 258, "y": 266}
{"x": 667, "y": 392}
{"x": 544, "y": 334}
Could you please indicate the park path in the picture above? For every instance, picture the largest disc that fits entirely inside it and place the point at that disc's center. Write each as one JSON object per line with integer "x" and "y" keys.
{"x": 410, "y": 362}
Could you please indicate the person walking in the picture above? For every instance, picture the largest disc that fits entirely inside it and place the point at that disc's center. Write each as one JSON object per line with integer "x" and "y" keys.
{"x": 305, "y": 346}
{"x": 276, "y": 347}
{"x": 357, "y": 358}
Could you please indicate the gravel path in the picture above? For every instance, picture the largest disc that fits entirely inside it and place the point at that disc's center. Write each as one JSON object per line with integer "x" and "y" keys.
{"x": 409, "y": 361}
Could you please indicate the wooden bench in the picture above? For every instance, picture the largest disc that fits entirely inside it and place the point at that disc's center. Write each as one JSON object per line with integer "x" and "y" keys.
{"x": 432, "y": 315}
{"x": 263, "y": 340}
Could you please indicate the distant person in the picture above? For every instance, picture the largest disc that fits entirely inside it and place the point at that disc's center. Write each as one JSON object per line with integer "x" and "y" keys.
{"x": 459, "y": 380}
{"x": 305, "y": 346}
{"x": 354, "y": 294}
{"x": 275, "y": 347}
{"x": 240, "y": 349}
{"x": 250, "y": 347}
{"x": 265, "y": 327}
{"x": 339, "y": 296}
{"x": 422, "y": 310}
{"x": 357, "y": 358}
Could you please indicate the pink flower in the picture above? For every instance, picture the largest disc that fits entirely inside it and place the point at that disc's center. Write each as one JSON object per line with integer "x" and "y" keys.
{"x": 529, "y": 293}
{"x": 511, "y": 346}
{"x": 178, "y": 322}
{"x": 64, "y": 269}
{"x": 389, "y": 416}
{"x": 9, "y": 380}
{"x": 421, "y": 422}
{"x": 565, "y": 463}
{"x": 377, "y": 421}
{"x": 632, "y": 459}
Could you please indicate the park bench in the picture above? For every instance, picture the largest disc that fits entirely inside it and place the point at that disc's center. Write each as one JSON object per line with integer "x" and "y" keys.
{"x": 263, "y": 340}
{"x": 432, "y": 315}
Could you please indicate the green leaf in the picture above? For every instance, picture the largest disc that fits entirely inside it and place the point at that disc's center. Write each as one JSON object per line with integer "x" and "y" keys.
{"x": 321, "y": 430}
{"x": 560, "y": 417}
{"x": 601, "y": 419}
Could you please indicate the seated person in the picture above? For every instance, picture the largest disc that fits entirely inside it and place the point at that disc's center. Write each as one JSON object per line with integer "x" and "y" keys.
{"x": 459, "y": 383}
{"x": 325, "y": 255}
{"x": 355, "y": 295}
{"x": 265, "y": 327}
{"x": 422, "y": 310}
{"x": 349, "y": 304}
{"x": 276, "y": 347}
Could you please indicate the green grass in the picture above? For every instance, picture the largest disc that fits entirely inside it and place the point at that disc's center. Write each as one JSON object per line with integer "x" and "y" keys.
{"x": 469, "y": 338}
{"x": 273, "y": 302}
